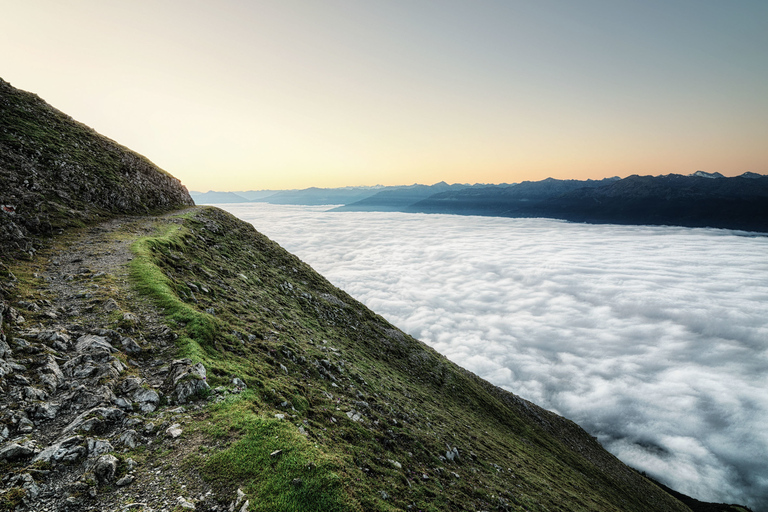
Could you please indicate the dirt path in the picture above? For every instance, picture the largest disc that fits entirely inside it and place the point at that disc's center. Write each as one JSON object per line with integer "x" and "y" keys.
{"x": 83, "y": 379}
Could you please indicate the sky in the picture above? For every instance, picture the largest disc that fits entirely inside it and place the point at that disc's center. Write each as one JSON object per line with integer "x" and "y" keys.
{"x": 250, "y": 94}
{"x": 652, "y": 338}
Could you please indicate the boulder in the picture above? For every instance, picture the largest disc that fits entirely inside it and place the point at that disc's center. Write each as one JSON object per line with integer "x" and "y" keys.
{"x": 129, "y": 439}
{"x": 126, "y": 480}
{"x": 174, "y": 431}
{"x": 147, "y": 399}
{"x": 46, "y": 411}
{"x": 68, "y": 450}
{"x": 94, "y": 420}
{"x": 105, "y": 468}
{"x": 92, "y": 343}
{"x": 130, "y": 345}
{"x": 186, "y": 380}
{"x": 13, "y": 452}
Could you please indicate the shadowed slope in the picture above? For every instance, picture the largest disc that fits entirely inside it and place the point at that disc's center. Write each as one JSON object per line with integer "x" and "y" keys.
{"x": 56, "y": 172}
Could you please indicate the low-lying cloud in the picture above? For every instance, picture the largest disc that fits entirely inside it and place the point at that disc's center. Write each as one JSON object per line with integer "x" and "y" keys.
{"x": 654, "y": 339}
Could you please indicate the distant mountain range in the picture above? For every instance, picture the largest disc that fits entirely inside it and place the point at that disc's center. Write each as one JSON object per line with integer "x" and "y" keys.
{"x": 700, "y": 199}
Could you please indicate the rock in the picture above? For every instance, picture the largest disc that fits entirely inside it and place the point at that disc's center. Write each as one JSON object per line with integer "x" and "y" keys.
{"x": 234, "y": 506}
{"x": 98, "y": 447}
{"x": 105, "y": 468}
{"x": 124, "y": 404}
{"x": 130, "y": 319}
{"x": 187, "y": 380}
{"x": 111, "y": 305}
{"x": 130, "y": 345}
{"x": 184, "y": 504}
{"x": 280, "y": 416}
{"x": 26, "y": 482}
{"x": 5, "y": 368}
{"x": 129, "y": 439}
{"x": 91, "y": 343}
{"x": 68, "y": 450}
{"x": 148, "y": 399}
{"x": 95, "y": 419}
{"x": 25, "y": 426}
{"x": 238, "y": 383}
{"x": 53, "y": 337}
{"x": 452, "y": 453}
{"x": 174, "y": 431}
{"x": 126, "y": 480}
{"x": 13, "y": 452}
{"x": 130, "y": 384}
{"x": 395, "y": 463}
{"x": 34, "y": 394}
{"x": 46, "y": 411}
{"x": 51, "y": 375}
{"x": 354, "y": 415}
{"x": 5, "y": 350}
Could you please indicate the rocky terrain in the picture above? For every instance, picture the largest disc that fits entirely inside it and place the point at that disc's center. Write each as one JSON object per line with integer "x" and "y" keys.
{"x": 78, "y": 390}
{"x": 183, "y": 361}
{"x": 58, "y": 173}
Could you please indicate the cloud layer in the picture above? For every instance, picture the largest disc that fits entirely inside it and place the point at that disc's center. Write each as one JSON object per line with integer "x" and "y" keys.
{"x": 654, "y": 339}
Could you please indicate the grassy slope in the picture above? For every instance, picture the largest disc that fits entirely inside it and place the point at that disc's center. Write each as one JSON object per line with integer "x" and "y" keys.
{"x": 311, "y": 353}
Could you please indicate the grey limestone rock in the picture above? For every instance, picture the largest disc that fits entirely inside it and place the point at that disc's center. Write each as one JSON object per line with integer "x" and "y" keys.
{"x": 97, "y": 447}
{"x": 130, "y": 345}
{"x": 147, "y": 399}
{"x": 51, "y": 374}
{"x": 105, "y": 468}
{"x": 5, "y": 350}
{"x": 94, "y": 419}
{"x": 13, "y": 452}
{"x": 129, "y": 439}
{"x": 91, "y": 342}
{"x": 187, "y": 380}
{"x": 68, "y": 450}
{"x": 46, "y": 411}
{"x": 125, "y": 481}
{"x": 184, "y": 504}
{"x": 174, "y": 431}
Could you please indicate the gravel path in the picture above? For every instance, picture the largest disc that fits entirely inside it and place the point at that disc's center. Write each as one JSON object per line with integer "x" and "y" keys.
{"x": 85, "y": 372}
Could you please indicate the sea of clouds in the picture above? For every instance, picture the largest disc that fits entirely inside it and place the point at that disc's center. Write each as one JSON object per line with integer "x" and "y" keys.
{"x": 653, "y": 339}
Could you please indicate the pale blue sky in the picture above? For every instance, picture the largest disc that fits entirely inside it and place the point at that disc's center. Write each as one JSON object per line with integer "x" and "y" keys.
{"x": 290, "y": 94}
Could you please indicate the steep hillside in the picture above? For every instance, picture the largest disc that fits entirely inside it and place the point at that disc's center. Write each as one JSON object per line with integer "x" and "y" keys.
{"x": 699, "y": 200}
{"x": 57, "y": 173}
{"x": 186, "y": 362}
{"x": 394, "y": 199}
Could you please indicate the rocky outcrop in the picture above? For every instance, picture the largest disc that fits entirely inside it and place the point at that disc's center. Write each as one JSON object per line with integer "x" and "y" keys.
{"x": 56, "y": 173}
{"x": 69, "y": 405}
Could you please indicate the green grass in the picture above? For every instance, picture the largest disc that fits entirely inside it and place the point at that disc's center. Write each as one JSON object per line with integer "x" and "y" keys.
{"x": 300, "y": 477}
{"x": 310, "y": 352}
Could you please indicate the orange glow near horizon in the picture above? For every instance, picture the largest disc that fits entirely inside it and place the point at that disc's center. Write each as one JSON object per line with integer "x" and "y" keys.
{"x": 295, "y": 94}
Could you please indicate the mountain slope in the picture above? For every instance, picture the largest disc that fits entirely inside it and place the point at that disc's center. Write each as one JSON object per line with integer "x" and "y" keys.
{"x": 739, "y": 202}
{"x": 499, "y": 200}
{"x": 699, "y": 200}
{"x": 208, "y": 368}
{"x": 213, "y": 197}
{"x": 393, "y": 199}
{"x": 57, "y": 173}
